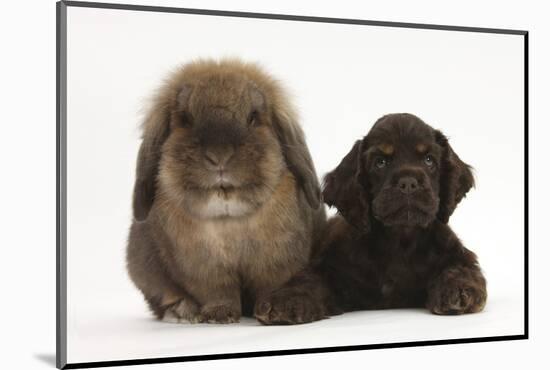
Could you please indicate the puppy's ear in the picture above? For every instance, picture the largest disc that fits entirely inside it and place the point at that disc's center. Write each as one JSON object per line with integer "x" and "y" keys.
{"x": 155, "y": 131}
{"x": 455, "y": 181}
{"x": 296, "y": 153}
{"x": 344, "y": 188}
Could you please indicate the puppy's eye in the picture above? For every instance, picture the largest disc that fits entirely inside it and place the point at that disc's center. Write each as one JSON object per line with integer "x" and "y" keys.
{"x": 429, "y": 160}
{"x": 253, "y": 118}
{"x": 381, "y": 162}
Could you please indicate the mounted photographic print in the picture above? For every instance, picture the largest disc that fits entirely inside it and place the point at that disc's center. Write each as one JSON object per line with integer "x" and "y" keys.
{"x": 240, "y": 184}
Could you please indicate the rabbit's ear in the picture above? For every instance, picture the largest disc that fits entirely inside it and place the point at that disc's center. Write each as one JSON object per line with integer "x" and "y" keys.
{"x": 296, "y": 153}
{"x": 155, "y": 131}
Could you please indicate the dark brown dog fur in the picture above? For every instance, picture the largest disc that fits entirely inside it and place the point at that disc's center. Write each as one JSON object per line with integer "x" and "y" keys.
{"x": 226, "y": 198}
{"x": 390, "y": 246}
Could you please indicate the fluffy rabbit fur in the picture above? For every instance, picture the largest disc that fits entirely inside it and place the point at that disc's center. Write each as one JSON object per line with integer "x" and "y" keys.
{"x": 226, "y": 199}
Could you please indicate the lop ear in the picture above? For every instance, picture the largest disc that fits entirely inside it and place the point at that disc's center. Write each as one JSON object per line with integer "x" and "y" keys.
{"x": 455, "y": 181}
{"x": 296, "y": 153}
{"x": 344, "y": 188}
{"x": 155, "y": 132}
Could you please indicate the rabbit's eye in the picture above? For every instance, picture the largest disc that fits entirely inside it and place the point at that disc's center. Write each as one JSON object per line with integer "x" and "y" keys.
{"x": 253, "y": 118}
{"x": 185, "y": 119}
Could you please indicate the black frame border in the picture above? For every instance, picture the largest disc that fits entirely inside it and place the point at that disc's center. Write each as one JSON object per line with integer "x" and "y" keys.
{"x": 61, "y": 186}
{"x": 61, "y": 183}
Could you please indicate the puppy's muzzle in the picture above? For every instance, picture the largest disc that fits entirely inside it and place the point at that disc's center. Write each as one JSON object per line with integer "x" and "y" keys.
{"x": 407, "y": 185}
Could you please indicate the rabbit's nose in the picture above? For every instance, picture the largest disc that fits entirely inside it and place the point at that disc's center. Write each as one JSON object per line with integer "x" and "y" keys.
{"x": 219, "y": 156}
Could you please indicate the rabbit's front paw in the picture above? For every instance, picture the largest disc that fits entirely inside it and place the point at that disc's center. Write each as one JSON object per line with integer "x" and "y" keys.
{"x": 219, "y": 314}
{"x": 286, "y": 308}
{"x": 185, "y": 310}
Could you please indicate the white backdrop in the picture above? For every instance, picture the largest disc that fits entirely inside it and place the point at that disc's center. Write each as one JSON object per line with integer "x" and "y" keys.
{"x": 342, "y": 77}
{"x": 28, "y": 160}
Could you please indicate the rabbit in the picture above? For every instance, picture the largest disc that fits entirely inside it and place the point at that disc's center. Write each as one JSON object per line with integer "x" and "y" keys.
{"x": 226, "y": 204}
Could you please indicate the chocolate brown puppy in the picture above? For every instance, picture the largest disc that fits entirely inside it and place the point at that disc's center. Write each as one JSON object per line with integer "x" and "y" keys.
{"x": 390, "y": 245}
{"x": 226, "y": 199}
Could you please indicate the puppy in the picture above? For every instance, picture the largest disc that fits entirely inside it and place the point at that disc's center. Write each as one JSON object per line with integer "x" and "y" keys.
{"x": 390, "y": 245}
{"x": 226, "y": 199}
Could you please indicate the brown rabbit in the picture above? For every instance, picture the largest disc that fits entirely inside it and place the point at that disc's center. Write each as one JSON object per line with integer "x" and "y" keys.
{"x": 226, "y": 199}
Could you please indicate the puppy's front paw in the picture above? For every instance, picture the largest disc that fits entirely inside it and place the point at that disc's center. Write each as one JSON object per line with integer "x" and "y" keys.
{"x": 287, "y": 308}
{"x": 219, "y": 314}
{"x": 454, "y": 295}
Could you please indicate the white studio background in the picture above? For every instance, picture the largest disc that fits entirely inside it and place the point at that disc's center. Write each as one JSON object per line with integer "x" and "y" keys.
{"x": 342, "y": 77}
{"x": 29, "y": 186}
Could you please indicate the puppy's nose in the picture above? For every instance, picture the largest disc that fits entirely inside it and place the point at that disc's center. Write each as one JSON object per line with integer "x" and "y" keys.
{"x": 407, "y": 185}
{"x": 219, "y": 156}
